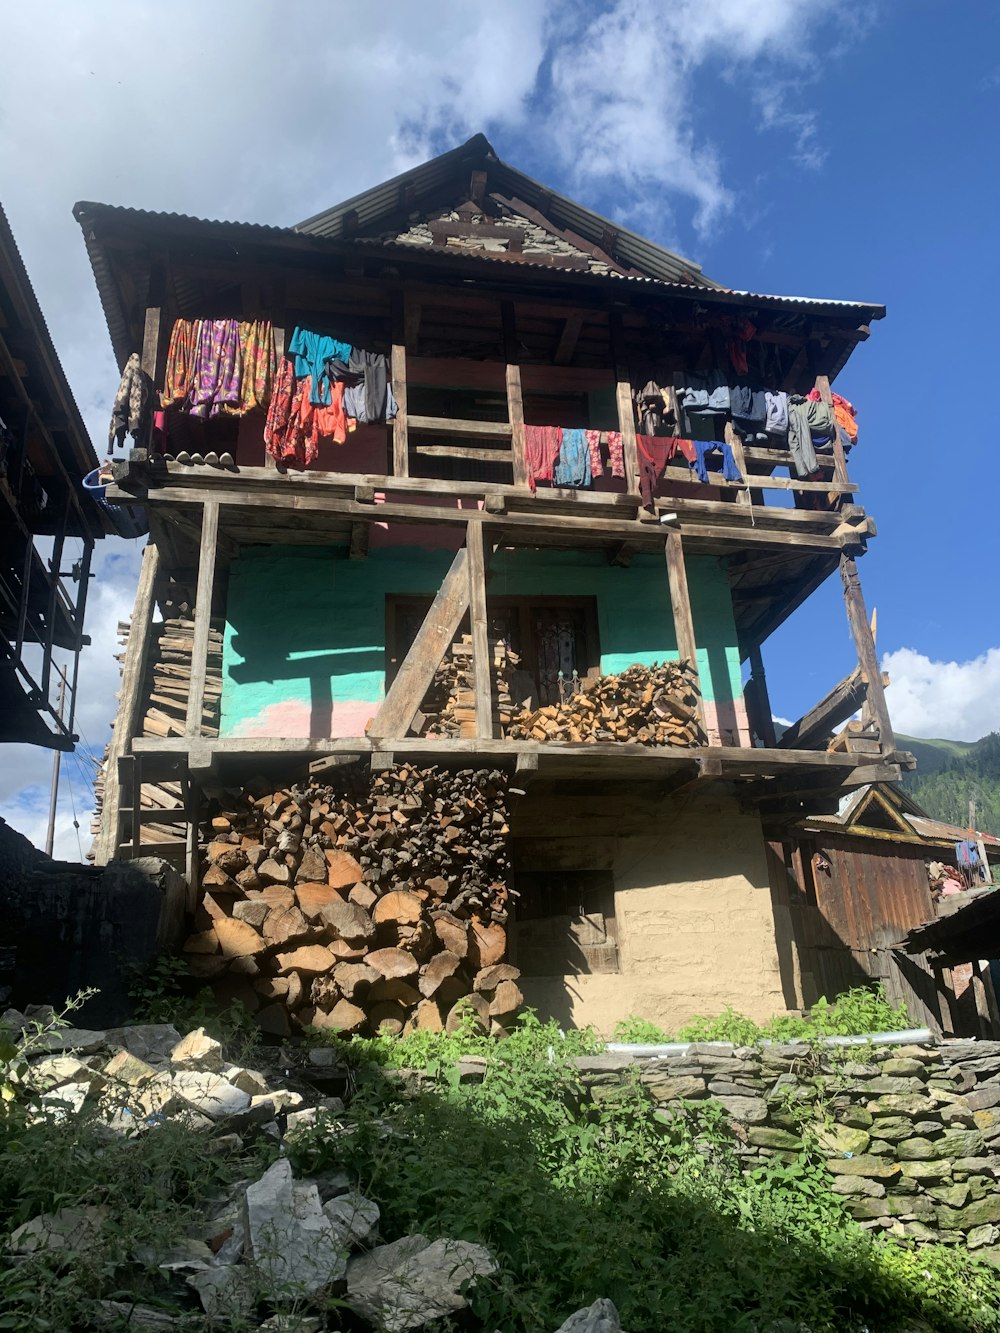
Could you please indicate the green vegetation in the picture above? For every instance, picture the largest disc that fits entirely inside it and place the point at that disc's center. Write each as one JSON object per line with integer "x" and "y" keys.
{"x": 948, "y": 773}
{"x": 579, "y": 1200}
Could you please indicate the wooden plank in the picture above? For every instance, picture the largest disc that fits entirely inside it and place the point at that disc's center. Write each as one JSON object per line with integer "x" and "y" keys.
{"x": 568, "y": 338}
{"x": 360, "y": 534}
{"x": 680, "y": 601}
{"x": 861, "y": 629}
{"x": 400, "y": 425}
{"x": 464, "y": 451}
{"x": 482, "y": 658}
{"x": 735, "y": 442}
{"x": 202, "y": 616}
{"x": 455, "y": 426}
{"x": 129, "y": 700}
{"x": 623, "y": 401}
{"x": 515, "y": 398}
{"x": 766, "y": 717}
{"x": 835, "y": 707}
{"x": 416, "y": 671}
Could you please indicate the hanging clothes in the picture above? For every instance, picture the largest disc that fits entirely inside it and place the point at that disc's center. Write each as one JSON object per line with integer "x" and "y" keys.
{"x": 654, "y": 452}
{"x": 846, "y": 417}
{"x": 279, "y": 409}
{"x": 748, "y": 405}
{"x": 131, "y": 405}
{"x": 616, "y": 453}
{"x": 706, "y": 395}
{"x": 369, "y": 393}
{"x": 258, "y": 357}
{"x": 312, "y": 351}
{"x": 775, "y": 413}
{"x": 738, "y": 334}
{"x": 182, "y": 355}
{"x": 650, "y": 404}
{"x": 218, "y": 368}
{"x": 541, "y": 447}
{"x": 573, "y": 464}
{"x": 594, "y": 446}
{"x": 730, "y": 472}
{"x": 800, "y": 437}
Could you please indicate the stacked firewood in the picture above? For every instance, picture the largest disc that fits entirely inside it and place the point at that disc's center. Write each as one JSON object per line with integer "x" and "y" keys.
{"x": 378, "y": 904}
{"x": 449, "y": 707}
{"x": 164, "y": 703}
{"x": 656, "y": 705}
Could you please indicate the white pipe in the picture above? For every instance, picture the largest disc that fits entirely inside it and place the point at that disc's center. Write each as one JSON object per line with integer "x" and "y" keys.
{"x": 906, "y": 1037}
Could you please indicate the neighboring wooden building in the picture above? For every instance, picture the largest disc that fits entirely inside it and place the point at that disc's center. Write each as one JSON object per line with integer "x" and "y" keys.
{"x": 336, "y": 590}
{"x": 45, "y": 452}
{"x": 852, "y": 884}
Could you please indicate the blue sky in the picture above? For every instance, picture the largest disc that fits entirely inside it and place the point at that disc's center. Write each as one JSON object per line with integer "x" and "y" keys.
{"x": 807, "y": 147}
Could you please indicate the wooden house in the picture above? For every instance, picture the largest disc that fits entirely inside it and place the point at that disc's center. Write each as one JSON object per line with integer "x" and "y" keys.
{"x": 318, "y": 605}
{"x": 45, "y": 452}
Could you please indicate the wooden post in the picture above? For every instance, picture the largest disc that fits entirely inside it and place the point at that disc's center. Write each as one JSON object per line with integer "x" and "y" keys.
{"x": 515, "y": 402}
{"x": 865, "y": 644}
{"x": 945, "y": 987}
{"x": 763, "y": 700}
{"x": 680, "y": 601}
{"x": 482, "y": 662}
{"x": 400, "y": 430}
{"x": 733, "y": 439}
{"x": 129, "y": 701}
{"x": 626, "y": 408}
{"x": 151, "y": 340}
{"x": 202, "y": 616}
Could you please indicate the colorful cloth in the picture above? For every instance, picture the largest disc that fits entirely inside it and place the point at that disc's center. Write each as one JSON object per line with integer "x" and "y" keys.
{"x": 312, "y": 352}
{"x": 295, "y": 425}
{"x": 573, "y": 464}
{"x": 730, "y": 472}
{"x": 594, "y": 445}
{"x": 541, "y": 447}
{"x": 846, "y": 417}
{"x": 181, "y": 357}
{"x": 258, "y": 358}
{"x": 131, "y": 403}
{"x": 218, "y": 369}
{"x": 616, "y": 453}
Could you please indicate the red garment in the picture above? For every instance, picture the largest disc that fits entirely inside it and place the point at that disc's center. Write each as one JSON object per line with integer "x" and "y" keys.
{"x": 594, "y": 445}
{"x": 739, "y": 333}
{"x": 655, "y": 452}
{"x": 845, "y": 415}
{"x": 541, "y": 446}
{"x": 295, "y": 425}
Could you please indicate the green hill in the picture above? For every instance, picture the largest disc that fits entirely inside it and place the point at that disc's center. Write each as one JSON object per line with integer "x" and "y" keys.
{"x": 948, "y": 773}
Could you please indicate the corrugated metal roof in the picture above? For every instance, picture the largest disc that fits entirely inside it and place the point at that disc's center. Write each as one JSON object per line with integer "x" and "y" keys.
{"x": 936, "y": 828}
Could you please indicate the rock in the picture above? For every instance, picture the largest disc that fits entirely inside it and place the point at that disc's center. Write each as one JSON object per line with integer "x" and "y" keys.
{"x": 908, "y": 1205}
{"x": 987, "y": 1121}
{"x": 864, "y": 1164}
{"x": 121, "y": 1314}
{"x": 903, "y": 1103}
{"x": 984, "y": 1235}
{"x": 914, "y": 1150}
{"x": 226, "y": 1293}
{"x": 349, "y": 921}
{"x": 857, "y": 1185}
{"x": 892, "y": 1128}
{"x": 291, "y": 1241}
{"x": 412, "y": 1281}
{"x": 767, "y": 1137}
{"x": 959, "y": 1143}
{"x": 198, "y": 1051}
{"x": 747, "y": 1110}
{"x": 68, "y": 1229}
{"x": 55, "y": 1070}
{"x": 953, "y": 1196}
{"x": 882, "y": 1085}
{"x": 249, "y": 1081}
{"x": 982, "y": 1212}
{"x": 863, "y": 1209}
{"x": 673, "y": 1089}
{"x": 921, "y": 1170}
{"x": 983, "y": 1097}
{"x": 342, "y": 871}
{"x": 976, "y": 1166}
{"x": 601, "y": 1317}
{"x": 128, "y": 1069}
{"x": 149, "y": 1041}
{"x": 68, "y": 1040}
{"x": 858, "y": 1118}
{"x": 209, "y": 1093}
{"x": 903, "y": 1066}
{"x": 842, "y": 1139}
{"x": 601, "y": 1064}
{"x": 958, "y": 1114}
{"x": 353, "y": 1217}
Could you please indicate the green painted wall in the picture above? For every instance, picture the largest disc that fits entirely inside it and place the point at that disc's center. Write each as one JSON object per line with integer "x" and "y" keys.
{"x": 306, "y": 627}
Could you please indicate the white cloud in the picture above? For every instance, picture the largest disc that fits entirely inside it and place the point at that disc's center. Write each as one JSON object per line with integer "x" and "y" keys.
{"x": 271, "y": 113}
{"x": 954, "y": 700}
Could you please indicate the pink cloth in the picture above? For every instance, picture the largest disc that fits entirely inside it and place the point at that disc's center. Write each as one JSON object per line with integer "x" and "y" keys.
{"x": 541, "y": 445}
{"x": 594, "y": 445}
{"x": 616, "y": 453}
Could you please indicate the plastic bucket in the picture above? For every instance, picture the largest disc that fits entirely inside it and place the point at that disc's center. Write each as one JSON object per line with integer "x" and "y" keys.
{"x": 127, "y": 520}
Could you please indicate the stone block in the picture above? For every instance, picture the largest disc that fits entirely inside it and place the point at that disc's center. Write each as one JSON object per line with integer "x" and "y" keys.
{"x": 878, "y": 1168}
{"x": 842, "y": 1139}
{"x": 981, "y": 1212}
{"x": 917, "y": 1149}
{"x": 764, "y": 1136}
{"x": 198, "y": 1051}
{"x": 747, "y": 1110}
{"x": 934, "y": 1170}
{"x": 900, "y": 1066}
{"x": 959, "y": 1143}
{"x": 952, "y": 1196}
{"x": 858, "y": 1185}
{"x": 674, "y": 1089}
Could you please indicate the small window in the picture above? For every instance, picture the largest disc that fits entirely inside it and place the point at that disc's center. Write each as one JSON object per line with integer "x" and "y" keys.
{"x": 565, "y": 922}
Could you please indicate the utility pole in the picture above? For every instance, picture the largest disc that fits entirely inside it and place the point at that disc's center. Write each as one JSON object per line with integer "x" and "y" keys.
{"x": 50, "y": 835}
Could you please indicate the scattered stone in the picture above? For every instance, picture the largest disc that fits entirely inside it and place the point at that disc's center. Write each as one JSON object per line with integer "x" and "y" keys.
{"x": 68, "y": 1229}
{"x": 412, "y": 1281}
{"x": 121, "y": 1314}
{"x": 601, "y": 1317}
{"x": 210, "y": 1094}
{"x": 226, "y": 1293}
{"x": 68, "y": 1040}
{"x": 198, "y": 1051}
{"x": 291, "y": 1241}
{"x": 984, "y": 1235}
{"x": 353, "y": 1217}
{"x": 53, "y": 1071}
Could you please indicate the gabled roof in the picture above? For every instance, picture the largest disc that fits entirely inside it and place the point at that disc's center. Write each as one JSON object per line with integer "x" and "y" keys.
{"x": 408, "y": 198}
{"x": 883, "y": 810}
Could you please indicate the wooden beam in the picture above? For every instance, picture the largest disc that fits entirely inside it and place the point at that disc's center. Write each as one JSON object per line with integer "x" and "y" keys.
{"x": 680, "y": 601}
{"x": 416, "y": 671}
{"x": 766, "y": 717}
{"x": 568, "y": 338}
{"x": 861, "y": 629}
{"x": 623, "y": 399}
{"x": 515, "y": 397}
{"x": 482, "y": 663}
{"x": 458, "y": 426}
{"x": 735, "y": 442}
{"x": 202, "y": 616}
{"x": 835, "y": 707}
{"x": 400, "y": 426}
{"x": 464, "y": 451}
{"x": 360, "y": 533}
{"x": 129, "y": 700}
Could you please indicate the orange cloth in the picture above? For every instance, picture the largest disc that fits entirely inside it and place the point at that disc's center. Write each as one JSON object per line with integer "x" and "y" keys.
{"x": 845, "y": 417}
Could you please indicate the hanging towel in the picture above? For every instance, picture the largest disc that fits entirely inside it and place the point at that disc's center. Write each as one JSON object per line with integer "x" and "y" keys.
{"x": 573, "y": 464}
{"x": 131, "y": 403}
{"x": 541, "y": 447}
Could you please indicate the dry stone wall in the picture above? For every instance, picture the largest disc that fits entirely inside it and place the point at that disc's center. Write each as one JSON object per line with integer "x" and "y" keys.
{"x": 910, "y": 1134}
